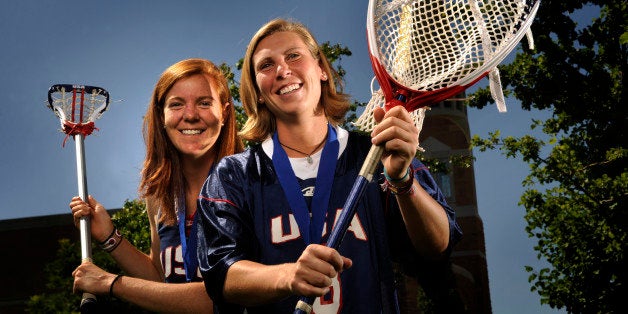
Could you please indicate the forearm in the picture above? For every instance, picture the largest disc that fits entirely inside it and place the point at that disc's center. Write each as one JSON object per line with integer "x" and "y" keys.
{"x": 135, "y": 263}
{"x": 249, "y": 283}
{"x": 164, "y": 297}
{"x": 425, "y": 220}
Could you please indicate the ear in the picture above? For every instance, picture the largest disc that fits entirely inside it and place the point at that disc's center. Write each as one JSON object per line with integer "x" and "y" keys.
{"x": 225, "y": 112}
{"x": 323, "y": 76}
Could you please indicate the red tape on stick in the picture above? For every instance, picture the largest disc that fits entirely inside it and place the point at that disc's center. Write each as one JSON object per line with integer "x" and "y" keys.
{"x": 71, "y": 129}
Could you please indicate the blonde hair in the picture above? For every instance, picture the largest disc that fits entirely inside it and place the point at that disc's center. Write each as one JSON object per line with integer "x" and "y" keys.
{"x": 261, "y": 122}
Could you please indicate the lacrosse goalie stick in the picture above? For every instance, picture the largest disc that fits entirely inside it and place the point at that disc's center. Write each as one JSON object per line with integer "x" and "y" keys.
{"x": 427, "y": 51}
{"x": 78, "y": 107}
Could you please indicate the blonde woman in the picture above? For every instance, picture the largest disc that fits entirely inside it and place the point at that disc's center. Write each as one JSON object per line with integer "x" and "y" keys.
{"x": 264, "y": 212}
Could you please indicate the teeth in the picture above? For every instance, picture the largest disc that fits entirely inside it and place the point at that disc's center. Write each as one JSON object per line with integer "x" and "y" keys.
{"x": 288, "y": 89}
{"x": 191, "y": 132}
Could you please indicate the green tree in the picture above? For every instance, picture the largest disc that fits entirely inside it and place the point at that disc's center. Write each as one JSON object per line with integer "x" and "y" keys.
{"x": 577, "y": 188}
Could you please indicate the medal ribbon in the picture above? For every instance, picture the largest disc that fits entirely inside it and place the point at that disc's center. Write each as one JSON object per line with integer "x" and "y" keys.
{"x": 311, "y": 229}
{"x": 190, "y": 262}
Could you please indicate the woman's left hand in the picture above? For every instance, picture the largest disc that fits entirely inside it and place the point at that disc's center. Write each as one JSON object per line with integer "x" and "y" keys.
{"x": 396, "y": 131}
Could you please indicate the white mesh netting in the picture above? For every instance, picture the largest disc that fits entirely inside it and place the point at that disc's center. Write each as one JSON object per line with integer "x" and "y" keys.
{"x": 77, "y": 104}
{"x": 366, "y": 122}
{"x": 432, "y": 45}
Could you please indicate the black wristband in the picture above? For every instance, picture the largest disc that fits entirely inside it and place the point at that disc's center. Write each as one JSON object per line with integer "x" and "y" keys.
{"x": 112, "y": 283}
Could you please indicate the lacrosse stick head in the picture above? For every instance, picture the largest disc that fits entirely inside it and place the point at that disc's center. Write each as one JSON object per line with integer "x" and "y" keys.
{"x": 424, "y": 52}
{"x": 77, "y": 106}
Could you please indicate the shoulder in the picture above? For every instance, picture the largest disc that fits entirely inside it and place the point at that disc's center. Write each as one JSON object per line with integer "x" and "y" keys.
{"x": 359, "y": 138}
{"x": 238, "y": 162}
{"x": 236, "y": 172}
{"x": 152, "y": 210}
{"x": 151, "y": 205}
{"x": 359, "y": 143}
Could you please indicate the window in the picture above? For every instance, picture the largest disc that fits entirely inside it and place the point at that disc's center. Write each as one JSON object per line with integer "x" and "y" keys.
{"x": 445, "y": 184}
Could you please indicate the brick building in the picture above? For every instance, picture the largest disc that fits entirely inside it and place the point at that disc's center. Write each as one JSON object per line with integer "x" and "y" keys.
{"x": 29, "y": 244}
{"x": 446, "y": 133}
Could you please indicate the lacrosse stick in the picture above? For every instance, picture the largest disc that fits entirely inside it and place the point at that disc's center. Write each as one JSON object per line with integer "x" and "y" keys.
{"x": 77, "y": 107}
{"x": 424, "y": 52}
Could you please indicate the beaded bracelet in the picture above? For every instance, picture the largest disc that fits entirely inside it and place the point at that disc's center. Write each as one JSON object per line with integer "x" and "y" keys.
{"x": 408, "y": 185}
{"x": 112, "y": 242}
{"x": 111, "y": 286}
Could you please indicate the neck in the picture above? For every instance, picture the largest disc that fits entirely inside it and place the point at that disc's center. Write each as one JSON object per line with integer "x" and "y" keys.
{"x": 195, "y": 173}
{"x": 304, "y": 137}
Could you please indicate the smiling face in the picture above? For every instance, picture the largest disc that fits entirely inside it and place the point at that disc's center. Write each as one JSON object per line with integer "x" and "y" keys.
{"x": 193, "y": 116}
{"x": 287, "y": 75}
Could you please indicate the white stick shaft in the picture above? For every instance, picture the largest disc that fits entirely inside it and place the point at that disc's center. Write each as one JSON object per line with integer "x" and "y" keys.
{"x": 88, "y": 300}
{"x": 86, "y": 243}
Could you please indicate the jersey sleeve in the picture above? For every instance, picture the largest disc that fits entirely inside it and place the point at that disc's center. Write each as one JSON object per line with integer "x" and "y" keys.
{"x": 411, "y": 261}
{"x": 425, "y": 179}
{"x": 226, "y": 234}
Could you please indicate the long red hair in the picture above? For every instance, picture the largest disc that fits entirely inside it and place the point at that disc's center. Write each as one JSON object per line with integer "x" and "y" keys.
{"x": 161, "y": 176}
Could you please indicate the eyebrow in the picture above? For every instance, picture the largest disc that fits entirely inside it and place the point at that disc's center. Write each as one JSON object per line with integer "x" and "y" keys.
{"x": 209, "y": 97}
{"x": 285, "y": 52}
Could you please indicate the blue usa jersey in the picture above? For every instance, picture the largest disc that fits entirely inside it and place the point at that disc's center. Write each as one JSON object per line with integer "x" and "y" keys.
{"x": 244, "y": 215}
{"x": 172, "y": 254}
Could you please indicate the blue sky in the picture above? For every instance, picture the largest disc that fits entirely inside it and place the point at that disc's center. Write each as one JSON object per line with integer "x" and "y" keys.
{"x": 123, "y": 46}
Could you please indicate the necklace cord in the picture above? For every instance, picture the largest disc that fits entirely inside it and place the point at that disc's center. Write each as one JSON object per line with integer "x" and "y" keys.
{"x": 304, "y": 153}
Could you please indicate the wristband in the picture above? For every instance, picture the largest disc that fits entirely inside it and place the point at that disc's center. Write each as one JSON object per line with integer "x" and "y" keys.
{"x": 402, "y": 179}
{"x": 112, "y": 242}
{"x": 408, "y": 185}
{"x": 111, "y": 286}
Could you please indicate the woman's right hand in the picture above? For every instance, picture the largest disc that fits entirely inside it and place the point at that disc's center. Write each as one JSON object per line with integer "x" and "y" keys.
{"x": 91, "y": 278}
{"x": 315, "y": 269}
{"x": 100, "y": 221}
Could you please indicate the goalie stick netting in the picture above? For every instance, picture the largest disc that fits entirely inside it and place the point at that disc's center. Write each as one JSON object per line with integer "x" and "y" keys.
{"x": 366, "y": 122}
{"x": 422, "y": 53}
{"x": 435, "y": 46}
